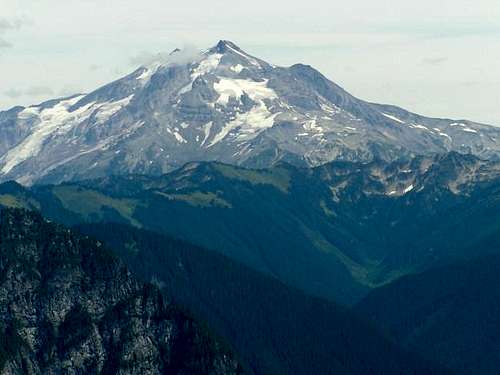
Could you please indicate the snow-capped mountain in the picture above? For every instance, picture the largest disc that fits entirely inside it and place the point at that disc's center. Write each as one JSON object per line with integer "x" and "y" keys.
{"x": 221, "y": 104}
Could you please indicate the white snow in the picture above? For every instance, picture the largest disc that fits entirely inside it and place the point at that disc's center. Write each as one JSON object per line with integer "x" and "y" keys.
{"x": 394, "y": 118}
{"x": 179, "y": 138}
{"x": 177, "y": 135}
{"x": 464, "y": 126}
{"x": 250, "y": 123}
{"x": 28, "y": 113}
{"x": 417, "y": 126}
{"x": 329, "y": 108}
{"x": 54, "y": 119}
{"x": 207, "y": 65}
{"x": 148, "y": 72}
{"x": 250, "y": 59}
{"x": 257, "y": 91}
{"x": 108, "y": 109}
{"x": 206, "y": 129}
{"x": 446, "y": 135}
{"x": 408, "y": 189}
{"x": 253, "y": 121}
{"x": 238, "y": 68}
{"x": 102, "y": 145}
{"x": 243, "y": 148}
{"x": 58, "y": 121}
{"x": 312, "y": 125}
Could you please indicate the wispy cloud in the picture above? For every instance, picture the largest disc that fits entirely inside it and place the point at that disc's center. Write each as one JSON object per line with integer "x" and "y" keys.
{"x": 434, "y": 60}
{"x": 95, "y": 67}
{"x": 30, "y": 92}
{"x": 8, "y": 25}
{"x": 13, "y": 93}
{"x": 4, "y": 43}
{"x": 178, "y": 56}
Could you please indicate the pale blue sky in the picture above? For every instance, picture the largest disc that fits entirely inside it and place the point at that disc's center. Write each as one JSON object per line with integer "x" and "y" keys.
{"x": 438, "y": 58}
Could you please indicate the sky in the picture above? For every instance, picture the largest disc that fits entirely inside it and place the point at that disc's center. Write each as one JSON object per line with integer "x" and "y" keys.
{"x": 437, "y": 58}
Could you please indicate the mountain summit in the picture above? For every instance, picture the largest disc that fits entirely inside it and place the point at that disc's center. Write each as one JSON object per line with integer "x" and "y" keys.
{"x": 221, "y": 104}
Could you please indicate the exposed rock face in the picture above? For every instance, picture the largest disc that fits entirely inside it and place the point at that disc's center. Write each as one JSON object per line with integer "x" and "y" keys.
{"x": 224, "y": 105}
{"x": 68, "y": 307}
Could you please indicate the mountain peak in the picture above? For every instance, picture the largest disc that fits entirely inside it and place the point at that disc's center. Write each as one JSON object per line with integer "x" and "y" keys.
{"x": 218, "y": 104}
{"x": 224, "y": 46}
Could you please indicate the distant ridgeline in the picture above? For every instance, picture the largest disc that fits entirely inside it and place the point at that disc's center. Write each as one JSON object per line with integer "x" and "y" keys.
{"x": 334, "y": 231}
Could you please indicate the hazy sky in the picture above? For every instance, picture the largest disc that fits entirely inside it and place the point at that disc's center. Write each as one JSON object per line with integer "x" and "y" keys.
{"x": 435, "y": 57}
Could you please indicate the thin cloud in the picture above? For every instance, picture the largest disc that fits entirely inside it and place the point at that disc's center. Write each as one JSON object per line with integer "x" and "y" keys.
{"x": 30, "y": 92}
{"x": 39, "y": 91}
{"x": 8, "y": 25}
{"x": 434, "y": 60}
{"x": 13, "y": 24}
{"x": 176, "y": 57}
{"x": 70, "y": 90}
{"x": 13, "y": 93}
{"x": 95, "y": 67}
{"x": 4, "y": 43}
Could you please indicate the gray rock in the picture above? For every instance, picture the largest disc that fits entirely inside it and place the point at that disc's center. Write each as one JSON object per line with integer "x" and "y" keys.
{"x": 68, "y": 307}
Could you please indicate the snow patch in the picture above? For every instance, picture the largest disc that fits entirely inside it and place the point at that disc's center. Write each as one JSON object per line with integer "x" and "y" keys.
{"x": 108, "y": 109}
{"x": 179, "y": 138}
{"x": 464, "y": 126}
{"x": 238, "y": 68}
{"x": 250, "y": 59}
{"x": 55, "y": 119}
{"x": 394, "y": 118}
{"x": 469, "y": 130}
{"x": 446, "y": 136}
{"x": 250, "y": 123}
{"x": 206, "y": 65}
{"x": 28, "y": 113}
{"x": 417, "y": 126}
{"x": 312, "y": 125}
{"x": 408, "y": 189}
{"x": 206, "y": 129}
{"x": 176, "y": 135}
{"x": 257, "y": 91}
{"x": 148, "y": 72}
{"x": 330, "y": 108}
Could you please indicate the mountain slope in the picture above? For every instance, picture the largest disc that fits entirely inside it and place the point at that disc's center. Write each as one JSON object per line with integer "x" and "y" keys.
{"x": 449, "y": 314}
{"x": 68, "y": 306}
{"x": 333, "y": 231}
{"x": 276, "y": 329}
{"x": 224, "y": 105}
